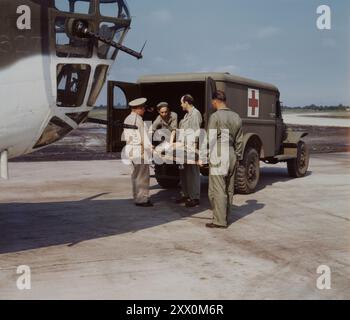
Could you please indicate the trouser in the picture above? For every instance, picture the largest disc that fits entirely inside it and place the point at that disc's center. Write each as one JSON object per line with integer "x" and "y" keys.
{"x": 141, "y": 183}
{"x": 190, "y": 177}
{"x": 221, "y": 192}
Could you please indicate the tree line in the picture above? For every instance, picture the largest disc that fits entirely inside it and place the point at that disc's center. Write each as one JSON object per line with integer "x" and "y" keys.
{"x": 314, "y": 107}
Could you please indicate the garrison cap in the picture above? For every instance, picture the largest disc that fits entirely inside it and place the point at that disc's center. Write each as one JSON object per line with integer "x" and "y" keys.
{"x": 137, "y": 103}
{"x": 162, "y": 105}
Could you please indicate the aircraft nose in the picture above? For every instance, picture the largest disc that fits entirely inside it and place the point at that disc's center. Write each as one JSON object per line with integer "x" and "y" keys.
{"x": 81, "y": 62}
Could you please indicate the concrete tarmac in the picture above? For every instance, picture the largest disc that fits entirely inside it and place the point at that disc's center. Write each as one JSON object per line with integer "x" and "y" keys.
{"x": 75, "y": 226}
{"x": 315, "y": 119}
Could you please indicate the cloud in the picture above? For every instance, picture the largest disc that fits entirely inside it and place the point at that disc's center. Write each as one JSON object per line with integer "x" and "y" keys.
{"x": 162, "y": 16}
{"x": 268, "y": 32}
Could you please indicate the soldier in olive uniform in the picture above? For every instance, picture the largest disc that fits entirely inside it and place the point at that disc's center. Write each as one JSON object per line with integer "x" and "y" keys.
{"x": 190, "y": 173}
{"x": 221, "y": 186}
{"x": 137, "y": 142}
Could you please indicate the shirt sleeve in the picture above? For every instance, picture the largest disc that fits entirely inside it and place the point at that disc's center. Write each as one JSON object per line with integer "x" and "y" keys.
{"x": 213, "y": 125}
{"x": 239, "y": 142}
{"x": 197, "y": 121}
{"x": 173, "y": 123}
{"x": 156, "y": 125}
{"x": 130, "y": 136}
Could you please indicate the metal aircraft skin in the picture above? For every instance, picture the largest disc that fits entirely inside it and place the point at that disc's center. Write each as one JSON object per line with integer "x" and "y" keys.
{"x": 50, "y": 77}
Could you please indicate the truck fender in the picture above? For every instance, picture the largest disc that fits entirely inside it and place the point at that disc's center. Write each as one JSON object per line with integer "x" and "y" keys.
{"x": 293, "y": 138}
{"x": 253, "y": 139}
{"x": 290, "y": 145}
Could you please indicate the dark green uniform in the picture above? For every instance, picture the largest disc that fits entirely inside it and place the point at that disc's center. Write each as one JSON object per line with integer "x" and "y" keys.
{"x": 221, "y": 187}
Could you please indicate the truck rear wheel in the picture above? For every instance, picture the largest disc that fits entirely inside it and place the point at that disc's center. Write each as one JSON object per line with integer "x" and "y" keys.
{"x": 167, "y": 176}
{"x": 297, "y": 168}
{"x": 248, "y": 172}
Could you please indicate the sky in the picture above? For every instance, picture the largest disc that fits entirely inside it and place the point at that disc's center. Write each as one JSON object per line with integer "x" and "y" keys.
{"x": 275, "y": 41}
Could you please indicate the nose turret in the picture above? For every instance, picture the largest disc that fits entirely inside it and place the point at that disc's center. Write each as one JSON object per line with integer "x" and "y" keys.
{"x": 86, "y": 36}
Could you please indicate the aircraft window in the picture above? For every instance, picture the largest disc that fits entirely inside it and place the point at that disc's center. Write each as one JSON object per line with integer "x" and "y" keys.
{"x": 73, "y": 6}
{"x": 72, "y": 82}
{"x": 55, "y": 130}
{"x": 68, "y": 46}
{"x": 119, "y": 101}
{"x": 109, "y": 31}
{"x": 114, "y": 8}
{"x": 99, "y": 80}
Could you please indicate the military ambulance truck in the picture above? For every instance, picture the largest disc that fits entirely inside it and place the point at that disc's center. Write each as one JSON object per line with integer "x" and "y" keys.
{"x": 266, "y": 137}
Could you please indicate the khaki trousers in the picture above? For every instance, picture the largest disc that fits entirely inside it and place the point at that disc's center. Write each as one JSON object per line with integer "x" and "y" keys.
{"x": 141, "y": 183}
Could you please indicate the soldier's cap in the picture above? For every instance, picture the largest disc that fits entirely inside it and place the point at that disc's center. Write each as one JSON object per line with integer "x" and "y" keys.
{"x": 162, "y": 105}
{"x": 137, "y": 103}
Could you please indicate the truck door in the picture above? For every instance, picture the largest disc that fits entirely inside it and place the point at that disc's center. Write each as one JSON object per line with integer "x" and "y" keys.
{"x": 210, "y": 89}
{"x": 119, "y": 96}
{"x": 280, "y": 128}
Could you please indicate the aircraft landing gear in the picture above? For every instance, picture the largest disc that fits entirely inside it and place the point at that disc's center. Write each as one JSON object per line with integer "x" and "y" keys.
{"x": 4, "y": 171}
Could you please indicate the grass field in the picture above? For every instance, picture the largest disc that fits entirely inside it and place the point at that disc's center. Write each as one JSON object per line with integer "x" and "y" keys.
{"x": 333, "y": 112}
{"x": 331, "y": 115}
{"x": 99, "y": 113}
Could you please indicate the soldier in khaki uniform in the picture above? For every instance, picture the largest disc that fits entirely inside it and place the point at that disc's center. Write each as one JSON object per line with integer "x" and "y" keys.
{"x": 137, "y": 143}
{"x": 166, "y": 120}
{"x": 221, "y": 185}
{"x": 190, "y": 173}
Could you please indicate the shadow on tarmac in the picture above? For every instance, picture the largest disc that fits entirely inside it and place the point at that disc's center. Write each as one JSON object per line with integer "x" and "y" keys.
{"x": 26, "y": 226}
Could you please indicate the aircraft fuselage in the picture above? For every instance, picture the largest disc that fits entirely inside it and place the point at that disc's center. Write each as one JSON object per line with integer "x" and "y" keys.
{"x": 49, "y": 79}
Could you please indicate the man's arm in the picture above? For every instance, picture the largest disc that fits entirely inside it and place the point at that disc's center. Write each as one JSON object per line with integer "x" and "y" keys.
{"x": 239, "y": 142}
{"x": 212, "y": 131}
{"x": 197, "y": 121}
{"x": 156, "y": 124}
{"x": 173, "y": 123}
{"x": 173, "y": 127}
{"x": 146, "y": 144}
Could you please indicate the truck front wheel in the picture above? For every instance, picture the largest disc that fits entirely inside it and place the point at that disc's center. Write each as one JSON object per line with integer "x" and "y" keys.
{"x": 297, "y": 168}
{"x": 248, "y": 172}
{"x": 167, "y": 176}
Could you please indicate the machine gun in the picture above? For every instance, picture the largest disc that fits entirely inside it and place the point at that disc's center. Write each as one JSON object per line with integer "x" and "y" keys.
{"x": 80, "y": 29}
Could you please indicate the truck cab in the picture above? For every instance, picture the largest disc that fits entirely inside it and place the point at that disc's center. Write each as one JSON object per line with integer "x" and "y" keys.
{"x": 266, "y": 137}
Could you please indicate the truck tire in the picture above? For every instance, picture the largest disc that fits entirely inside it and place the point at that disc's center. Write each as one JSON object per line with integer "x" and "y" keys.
{"x": 248, "y": 172}
{"x": 167, "y": 176}
{"x": 297, "y": 168}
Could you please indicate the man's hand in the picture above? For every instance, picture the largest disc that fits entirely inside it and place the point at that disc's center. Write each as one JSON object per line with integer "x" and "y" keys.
{"x": 200, "y": 163}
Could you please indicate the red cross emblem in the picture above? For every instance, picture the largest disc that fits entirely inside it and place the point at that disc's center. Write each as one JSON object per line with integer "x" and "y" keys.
{"x": 253, "y": 103}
